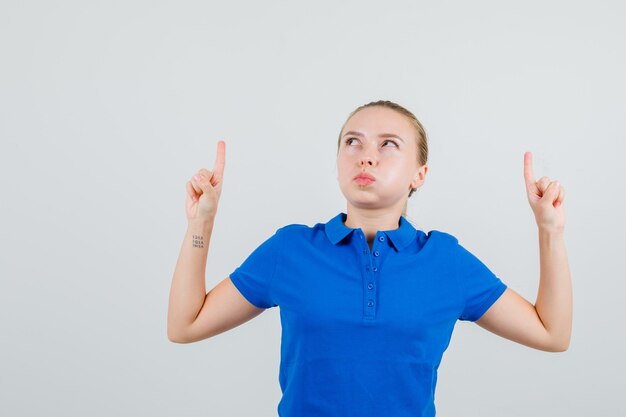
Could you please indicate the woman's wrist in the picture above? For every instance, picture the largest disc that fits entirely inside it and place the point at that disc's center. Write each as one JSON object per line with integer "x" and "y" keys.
{"x": 550, "y": 233}
{"x": 202, "y": 224}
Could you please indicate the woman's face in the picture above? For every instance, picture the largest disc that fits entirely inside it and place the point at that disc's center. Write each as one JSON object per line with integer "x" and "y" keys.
{"x": 380, "y": 142}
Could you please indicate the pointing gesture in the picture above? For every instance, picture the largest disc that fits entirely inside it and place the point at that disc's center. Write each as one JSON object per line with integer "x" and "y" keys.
{"x": 205, "y": 187}
{"x": 545, "y": 198}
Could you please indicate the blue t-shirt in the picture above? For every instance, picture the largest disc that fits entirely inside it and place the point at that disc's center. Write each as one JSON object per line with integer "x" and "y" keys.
{"x": 364, "y": 330}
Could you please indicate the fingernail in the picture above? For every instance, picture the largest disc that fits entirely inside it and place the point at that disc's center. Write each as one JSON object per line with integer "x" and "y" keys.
{"x": 196, "y": 177}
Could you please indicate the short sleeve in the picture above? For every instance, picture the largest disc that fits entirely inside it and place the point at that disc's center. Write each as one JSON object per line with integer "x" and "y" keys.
{"x": 479, "y": 285}
{"x": 253, "y": 278}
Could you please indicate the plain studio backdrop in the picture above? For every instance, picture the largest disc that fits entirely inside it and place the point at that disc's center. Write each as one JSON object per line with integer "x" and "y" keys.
{"x": 108, "y": 108}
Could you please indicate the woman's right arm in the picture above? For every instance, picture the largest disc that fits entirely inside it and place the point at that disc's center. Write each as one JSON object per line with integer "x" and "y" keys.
{"x": 194, "y": 314}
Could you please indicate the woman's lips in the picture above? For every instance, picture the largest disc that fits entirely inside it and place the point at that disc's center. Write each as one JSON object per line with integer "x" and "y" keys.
{"x": 364, "y": 179}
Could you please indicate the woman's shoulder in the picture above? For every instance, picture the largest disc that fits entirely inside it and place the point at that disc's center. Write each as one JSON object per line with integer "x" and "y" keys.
{"x": 297, "y": 229}
{"x": 423, "y": 235}
{"x": 441, "y": 235}
{"x": 306, "y": 232}
{"x": 449, "y": 241}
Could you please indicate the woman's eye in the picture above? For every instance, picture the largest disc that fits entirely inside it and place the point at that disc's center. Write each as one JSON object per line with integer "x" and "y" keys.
{"x": 391, "y": 141}
{"x": 349, "y": 140}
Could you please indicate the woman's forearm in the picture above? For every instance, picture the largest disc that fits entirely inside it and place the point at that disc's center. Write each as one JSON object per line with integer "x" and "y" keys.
{"x": 188, "y": 290}
{"x": 554, "y": 298}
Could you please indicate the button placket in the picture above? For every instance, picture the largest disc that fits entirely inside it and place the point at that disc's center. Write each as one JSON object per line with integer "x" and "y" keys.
{"x": 371, "y": 258}
{"x": 372, "y": 283}
{"x": 369, "y": 295}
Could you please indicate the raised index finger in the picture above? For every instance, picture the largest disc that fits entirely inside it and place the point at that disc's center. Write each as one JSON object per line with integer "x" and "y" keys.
{"x": 529, "y": 177}
{"x": 220, "y": 160}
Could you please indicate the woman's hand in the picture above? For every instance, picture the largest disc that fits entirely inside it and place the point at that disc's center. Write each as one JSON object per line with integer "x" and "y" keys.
{"x": 545, "y": 198}
{"x": 204, "y": 188}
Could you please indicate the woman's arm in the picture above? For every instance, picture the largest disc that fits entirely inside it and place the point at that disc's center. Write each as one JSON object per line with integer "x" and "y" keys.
{"x": 188, "y": 291}
{"x": 194, "y": 314}
{"x": 548, "y": 324}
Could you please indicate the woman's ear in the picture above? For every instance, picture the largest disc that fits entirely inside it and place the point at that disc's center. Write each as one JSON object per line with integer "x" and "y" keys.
{"x": 419, "y": 177}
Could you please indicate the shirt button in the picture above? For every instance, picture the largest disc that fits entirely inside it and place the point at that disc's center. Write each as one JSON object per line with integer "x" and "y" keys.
{"x": 370, "y": 303}
{"x": 370, "y": 286}
{"x": 375, "y": 269}
{"x": 382, "y": 238}
{"x": 376, "y": 253}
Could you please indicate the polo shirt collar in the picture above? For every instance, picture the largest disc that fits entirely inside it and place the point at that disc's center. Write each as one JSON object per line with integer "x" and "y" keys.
{"x": 336, "y": 231}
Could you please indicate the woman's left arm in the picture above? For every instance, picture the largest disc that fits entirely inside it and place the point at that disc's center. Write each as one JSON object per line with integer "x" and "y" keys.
{"x": 548, "y": 324}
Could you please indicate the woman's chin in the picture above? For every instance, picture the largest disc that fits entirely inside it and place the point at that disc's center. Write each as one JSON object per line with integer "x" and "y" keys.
{"x": 371, "y": 201}
{"x": 365, "y": 202}
{"x": 367, "y": 198}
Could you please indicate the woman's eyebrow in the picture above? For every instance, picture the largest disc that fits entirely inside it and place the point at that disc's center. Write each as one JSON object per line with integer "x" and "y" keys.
{"x": 382, "y": 135}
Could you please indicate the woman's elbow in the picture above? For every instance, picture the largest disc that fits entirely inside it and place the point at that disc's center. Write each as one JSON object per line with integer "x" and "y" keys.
{"x": 177, "y": 337}
{"x": 559, "y": 346}
{"x": 174, "y": 339}
{"x": 563, "y": 347}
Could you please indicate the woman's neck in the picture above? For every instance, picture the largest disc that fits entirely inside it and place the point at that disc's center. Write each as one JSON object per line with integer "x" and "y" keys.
{"x": 372, "y": 221}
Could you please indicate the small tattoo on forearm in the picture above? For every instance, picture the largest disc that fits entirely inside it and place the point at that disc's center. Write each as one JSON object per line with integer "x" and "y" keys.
{"x": 198, "y": 242}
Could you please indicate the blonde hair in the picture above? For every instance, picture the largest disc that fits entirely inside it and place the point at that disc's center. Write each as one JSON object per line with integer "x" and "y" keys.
{"x": 421, "y": 138}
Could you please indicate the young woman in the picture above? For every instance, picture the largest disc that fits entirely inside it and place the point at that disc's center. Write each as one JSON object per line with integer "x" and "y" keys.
{"x": 367, "y": 302}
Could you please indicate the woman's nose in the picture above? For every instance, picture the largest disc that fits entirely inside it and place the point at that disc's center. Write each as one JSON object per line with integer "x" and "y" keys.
{"x": 367, "y": 161}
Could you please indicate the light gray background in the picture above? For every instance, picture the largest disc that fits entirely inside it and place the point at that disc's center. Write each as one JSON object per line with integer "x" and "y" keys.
{"x": 108, "y": 108}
